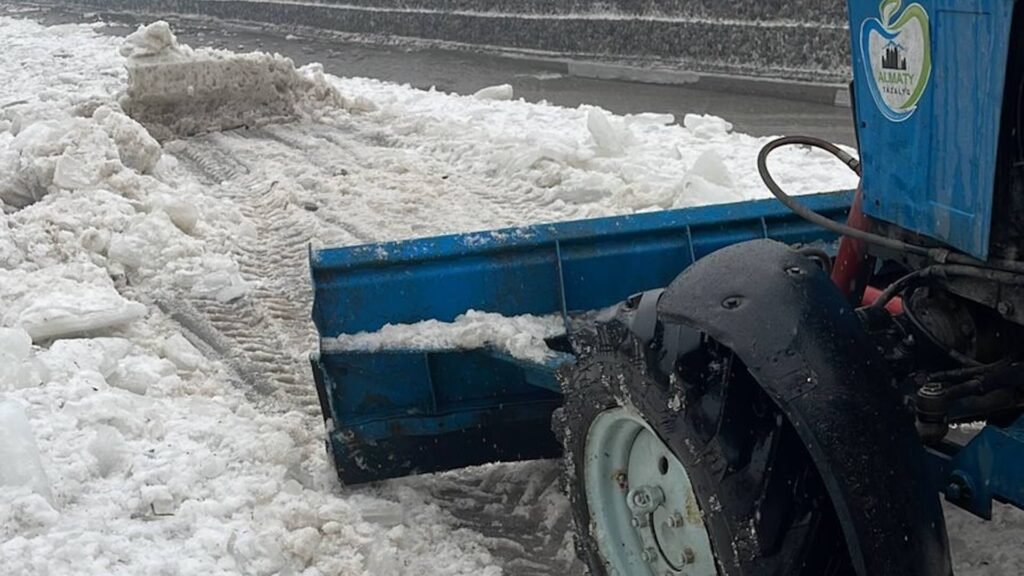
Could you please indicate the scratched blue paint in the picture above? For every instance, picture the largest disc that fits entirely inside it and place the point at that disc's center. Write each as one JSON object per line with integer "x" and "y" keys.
{"x": 932, "y": 169}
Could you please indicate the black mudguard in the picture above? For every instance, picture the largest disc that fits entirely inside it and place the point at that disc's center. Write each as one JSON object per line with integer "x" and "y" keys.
{"x": 797, "y": 335}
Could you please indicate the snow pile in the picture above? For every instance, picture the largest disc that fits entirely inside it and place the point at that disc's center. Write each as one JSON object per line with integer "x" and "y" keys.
{"x": 176, "y": 91}
{"x": 521, "y": 337}
{"x": 93, "y": 178}
{"x": 555, "y": 164}
{"x": 124, "y": 447}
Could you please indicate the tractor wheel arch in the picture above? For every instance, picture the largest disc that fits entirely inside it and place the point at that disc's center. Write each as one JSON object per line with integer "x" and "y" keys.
{"x": 806, "y": 356}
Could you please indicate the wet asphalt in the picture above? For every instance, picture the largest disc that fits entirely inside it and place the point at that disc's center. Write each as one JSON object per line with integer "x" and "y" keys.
{"x": 465, "y": 71}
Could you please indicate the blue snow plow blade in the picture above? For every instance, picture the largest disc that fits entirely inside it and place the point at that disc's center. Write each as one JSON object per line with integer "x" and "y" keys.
{"x": 399, "y": 412}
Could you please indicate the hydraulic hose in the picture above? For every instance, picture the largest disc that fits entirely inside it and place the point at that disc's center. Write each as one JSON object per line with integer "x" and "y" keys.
{"x": 938, "y": 255}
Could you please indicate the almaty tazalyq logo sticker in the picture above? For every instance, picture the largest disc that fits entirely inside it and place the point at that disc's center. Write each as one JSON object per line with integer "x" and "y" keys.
{"x": 896, "y": 50}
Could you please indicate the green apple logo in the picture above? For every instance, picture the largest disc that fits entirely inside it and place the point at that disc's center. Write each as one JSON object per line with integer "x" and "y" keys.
{"x": 896, "y": 50}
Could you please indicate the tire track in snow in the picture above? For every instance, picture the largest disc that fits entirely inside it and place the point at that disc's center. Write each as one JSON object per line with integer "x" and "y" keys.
{"x": 265, "y": 335}
{"x": 302, "y": 183}
{"x": 518, "y": 507}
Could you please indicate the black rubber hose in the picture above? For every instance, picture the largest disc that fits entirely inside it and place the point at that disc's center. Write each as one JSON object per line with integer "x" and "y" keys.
{"x": 960, "y": 373}
{"x": 1007, "y": 378}
{"x": 947, "y": 271}
{"x": 940, "y": 255}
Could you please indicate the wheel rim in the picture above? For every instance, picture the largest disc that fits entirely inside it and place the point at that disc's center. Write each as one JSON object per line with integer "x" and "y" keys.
{"x": 645, "y": 516}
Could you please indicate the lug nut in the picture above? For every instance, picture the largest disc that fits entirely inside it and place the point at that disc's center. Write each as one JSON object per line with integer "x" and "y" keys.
{"x": 676, "y": 520}
{"x": 688, "y": 555}
{"x": 649, "y": 555}
{"x": 1005, "y": 308}
{"x": 645, "y": 499}
{"x": 639, "y": 522}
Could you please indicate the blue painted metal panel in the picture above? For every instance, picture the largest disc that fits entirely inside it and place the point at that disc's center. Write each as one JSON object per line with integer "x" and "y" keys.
{"x": 990, "y": 467}
{"x": 929, "y": 87}
{"x": 521, "y": 270}
{"x": 478, "y": 404}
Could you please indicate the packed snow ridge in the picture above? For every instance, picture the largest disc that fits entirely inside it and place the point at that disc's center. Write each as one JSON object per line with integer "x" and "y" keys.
{"x": 174, "y": 90}
{"x": 128, "y": 443}
{"x": 521, "y": 337}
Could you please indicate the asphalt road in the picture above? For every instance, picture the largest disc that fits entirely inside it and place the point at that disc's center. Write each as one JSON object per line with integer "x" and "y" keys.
{"x": 465, "y": 72}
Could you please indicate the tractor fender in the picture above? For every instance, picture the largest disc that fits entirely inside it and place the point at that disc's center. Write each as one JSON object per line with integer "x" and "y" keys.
{"x": 799, "y": 338}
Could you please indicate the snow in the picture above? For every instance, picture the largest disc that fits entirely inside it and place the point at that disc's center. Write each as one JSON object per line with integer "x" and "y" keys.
{"x": 153, "y": 290}
{"x": 23, "y": 466}
{"x": 176, "y": 91}
{"x": 47, "y": 304}
{"x": 521, "y": 337}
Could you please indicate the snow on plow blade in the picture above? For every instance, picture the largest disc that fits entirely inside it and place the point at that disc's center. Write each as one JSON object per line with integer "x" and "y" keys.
{"x": 399, "y": 411}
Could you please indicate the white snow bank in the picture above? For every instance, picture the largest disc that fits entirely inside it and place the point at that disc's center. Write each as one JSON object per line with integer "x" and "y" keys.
{"x": 177, "y": 91}
{"x": 53, "y": 303}
{"x": 520, "y": 336}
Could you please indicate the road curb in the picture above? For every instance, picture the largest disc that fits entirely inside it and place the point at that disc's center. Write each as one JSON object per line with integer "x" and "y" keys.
{"x": 821, "y": 93}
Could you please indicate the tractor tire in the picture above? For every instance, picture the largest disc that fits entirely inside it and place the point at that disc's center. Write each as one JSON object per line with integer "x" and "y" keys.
{"x": 738, "y": 492}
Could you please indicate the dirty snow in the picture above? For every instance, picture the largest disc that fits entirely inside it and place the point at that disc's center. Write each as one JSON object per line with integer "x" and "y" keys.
{"x": 174, "y": 90}
{"x": 521, "y": 337}
{"x": 135, "y": 442}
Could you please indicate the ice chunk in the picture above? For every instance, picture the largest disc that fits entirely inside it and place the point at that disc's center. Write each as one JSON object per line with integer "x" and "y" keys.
{"x": 65, "y": 358}
{"x": 707, "y": 181}
{"x": 62, "y": 300}
{"x": 17, "y": 368}
{"x": 135, "y": 147}
{"x": 499, "y": 92}
{"x": 158, "y": 499}
{"x": 64, "y": 307}
{"x": 151, "y": 242}
{"x": 224, "y": 285}
{"x": 183, "y": 214}
{"x": 383, "y": 512}
{"x": 137, "y": 373}
{"x": 10, "y": 255}
{"x": 151, "y": 40}
{"x": 182, "y": 353}
{"x": 15, "y": 344}
{"x": 109, "y": 449}
{"x": 610, "y": 140}
{"x": 710, "y": 167}
{"x": 70, "y": 153}
{"x": 22, "y": 465}
{"x": 706, "y": 126}
{"x": 303, "y": 543}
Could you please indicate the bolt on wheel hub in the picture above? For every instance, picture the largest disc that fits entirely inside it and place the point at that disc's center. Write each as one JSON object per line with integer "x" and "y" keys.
{"x": 641, "y": 501}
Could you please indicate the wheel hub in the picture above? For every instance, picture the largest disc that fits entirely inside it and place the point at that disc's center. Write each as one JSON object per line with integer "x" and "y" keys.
{"x": 645, "y": 515}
